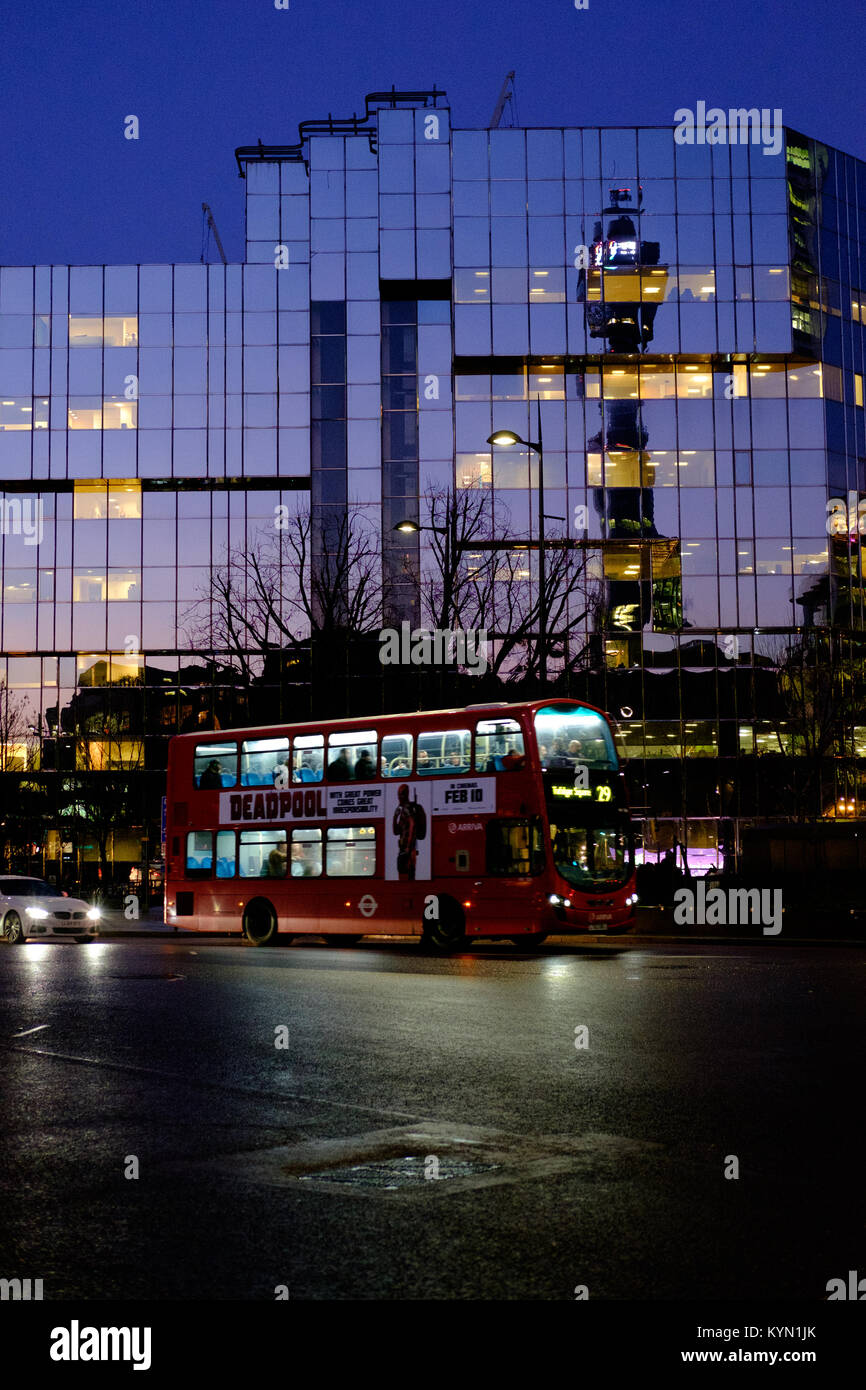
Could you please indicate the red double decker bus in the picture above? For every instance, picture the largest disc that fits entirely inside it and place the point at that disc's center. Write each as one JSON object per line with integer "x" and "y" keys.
{"x": 503, "y": 820}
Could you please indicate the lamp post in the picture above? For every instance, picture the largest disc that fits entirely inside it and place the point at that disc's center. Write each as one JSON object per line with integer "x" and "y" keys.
{"x": 452, "y": 549}
{"x": 506, "y": 439}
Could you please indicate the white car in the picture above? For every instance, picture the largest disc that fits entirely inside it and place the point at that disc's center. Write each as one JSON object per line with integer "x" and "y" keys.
{"x": 31, "y": 908}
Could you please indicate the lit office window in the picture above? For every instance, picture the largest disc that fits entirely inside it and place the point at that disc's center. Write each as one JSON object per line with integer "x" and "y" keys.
{"x": 110, "y": 413}
{"x": 93, "y": 330}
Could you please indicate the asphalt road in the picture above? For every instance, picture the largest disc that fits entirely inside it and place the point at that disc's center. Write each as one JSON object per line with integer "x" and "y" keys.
{"x": 313, "y": 1165}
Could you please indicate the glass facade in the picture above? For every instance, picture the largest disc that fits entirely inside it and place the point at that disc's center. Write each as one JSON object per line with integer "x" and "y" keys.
{"x": 688, "y": 320}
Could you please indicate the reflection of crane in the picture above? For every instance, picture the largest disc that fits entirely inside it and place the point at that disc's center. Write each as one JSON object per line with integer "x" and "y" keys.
{"x": 507, "y": 94}
{"x": 212, "y": 226}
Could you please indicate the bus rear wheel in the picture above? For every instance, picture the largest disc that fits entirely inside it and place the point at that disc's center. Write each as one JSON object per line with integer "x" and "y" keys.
{"x": 447, "y": 931}
{"x": 260, "y": 922}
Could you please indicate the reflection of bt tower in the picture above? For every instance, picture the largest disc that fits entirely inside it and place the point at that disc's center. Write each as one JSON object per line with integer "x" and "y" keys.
{"x": 616, "y": 312}
{"x": 615, "y": 309}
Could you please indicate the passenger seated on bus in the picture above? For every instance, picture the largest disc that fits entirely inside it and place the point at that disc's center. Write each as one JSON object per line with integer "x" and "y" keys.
{"x": 212, "y": 777}
{"x": 575, "y": 749}
{"x": 364, "y": 767}
{"x": 558, "y": 756}
{"x": 340, "y": 769}
{"x": 424, "y": 764}
{"x": 397, "y": 769}
{"x": 277, "y": 862}
{"x": 504, "y": 761}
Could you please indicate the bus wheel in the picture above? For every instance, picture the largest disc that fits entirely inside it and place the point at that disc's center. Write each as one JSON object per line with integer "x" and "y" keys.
{"x": 343, "y": 940}
{"x": 260, "y": 923}
{"x": 530, "y": 940}
{"x": 447, "y": 932}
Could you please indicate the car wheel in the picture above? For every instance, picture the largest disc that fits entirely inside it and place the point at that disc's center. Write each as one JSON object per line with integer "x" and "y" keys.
{"x": 447, "y": 931}
{"x": 13, "y": 929}
{"x": 260, "y": 923}
{"x": 343, "y": 939}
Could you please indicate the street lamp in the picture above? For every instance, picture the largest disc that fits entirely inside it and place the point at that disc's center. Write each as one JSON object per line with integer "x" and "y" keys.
{"x": 506, "y": 439}
{"x": 452, "y": 550}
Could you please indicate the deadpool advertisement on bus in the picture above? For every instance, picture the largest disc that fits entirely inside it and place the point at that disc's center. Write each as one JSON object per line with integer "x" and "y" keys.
{"x": 408, "y": 824}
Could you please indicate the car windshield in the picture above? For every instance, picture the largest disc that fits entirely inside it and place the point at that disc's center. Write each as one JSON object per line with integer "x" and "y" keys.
{"x": 598, "y": 856}
{"x": 26, "y": 888}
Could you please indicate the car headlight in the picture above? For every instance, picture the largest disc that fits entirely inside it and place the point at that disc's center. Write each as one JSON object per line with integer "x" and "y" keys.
{"x": 37, "y": 913}
{"x": 94, "y": 914}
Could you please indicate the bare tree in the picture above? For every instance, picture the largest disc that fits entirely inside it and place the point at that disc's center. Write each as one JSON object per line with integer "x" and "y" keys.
{"x": 819, "y": 688}
{"x": 18, "y": 734}
{"x": 106, "y": 792}
{"x": 480, "y": 579}
{"x": 302, "y": 581}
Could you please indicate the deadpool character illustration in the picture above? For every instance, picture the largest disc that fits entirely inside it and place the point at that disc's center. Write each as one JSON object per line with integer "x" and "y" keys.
{"x": 410, "y": 826}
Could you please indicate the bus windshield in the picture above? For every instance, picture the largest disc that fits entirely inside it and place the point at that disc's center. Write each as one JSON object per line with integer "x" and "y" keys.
{"x": 567, "y": 736}
{"x": 588, "y": 856}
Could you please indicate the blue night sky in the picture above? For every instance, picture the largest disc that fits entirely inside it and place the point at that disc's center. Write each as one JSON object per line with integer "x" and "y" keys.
{"x": 204, "y": 77}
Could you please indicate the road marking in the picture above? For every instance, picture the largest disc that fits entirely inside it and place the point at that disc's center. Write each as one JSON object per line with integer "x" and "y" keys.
{"x": 38, "y": 1029}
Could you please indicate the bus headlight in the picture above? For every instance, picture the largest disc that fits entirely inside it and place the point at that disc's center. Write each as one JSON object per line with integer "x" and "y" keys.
{"x": 555, "y": 900}
{"x": 566, "y": 902}
{"x": 631, "y": 900}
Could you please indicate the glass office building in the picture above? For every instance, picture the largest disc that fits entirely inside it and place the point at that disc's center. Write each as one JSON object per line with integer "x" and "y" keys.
{"x": 690, "y": 318}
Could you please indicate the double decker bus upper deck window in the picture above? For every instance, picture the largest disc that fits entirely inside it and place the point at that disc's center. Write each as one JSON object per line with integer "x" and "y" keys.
{"x": 352, "y": 756}
{"x": 444, "y": 753}
{"x": 264, "y": 762}
{"x": 568, "y": 737}
{"x": 396, "y": 755}
{"x": 308, "y": 758}
{"x": 499, "y": 745}
{"x": 215, "y": 765}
